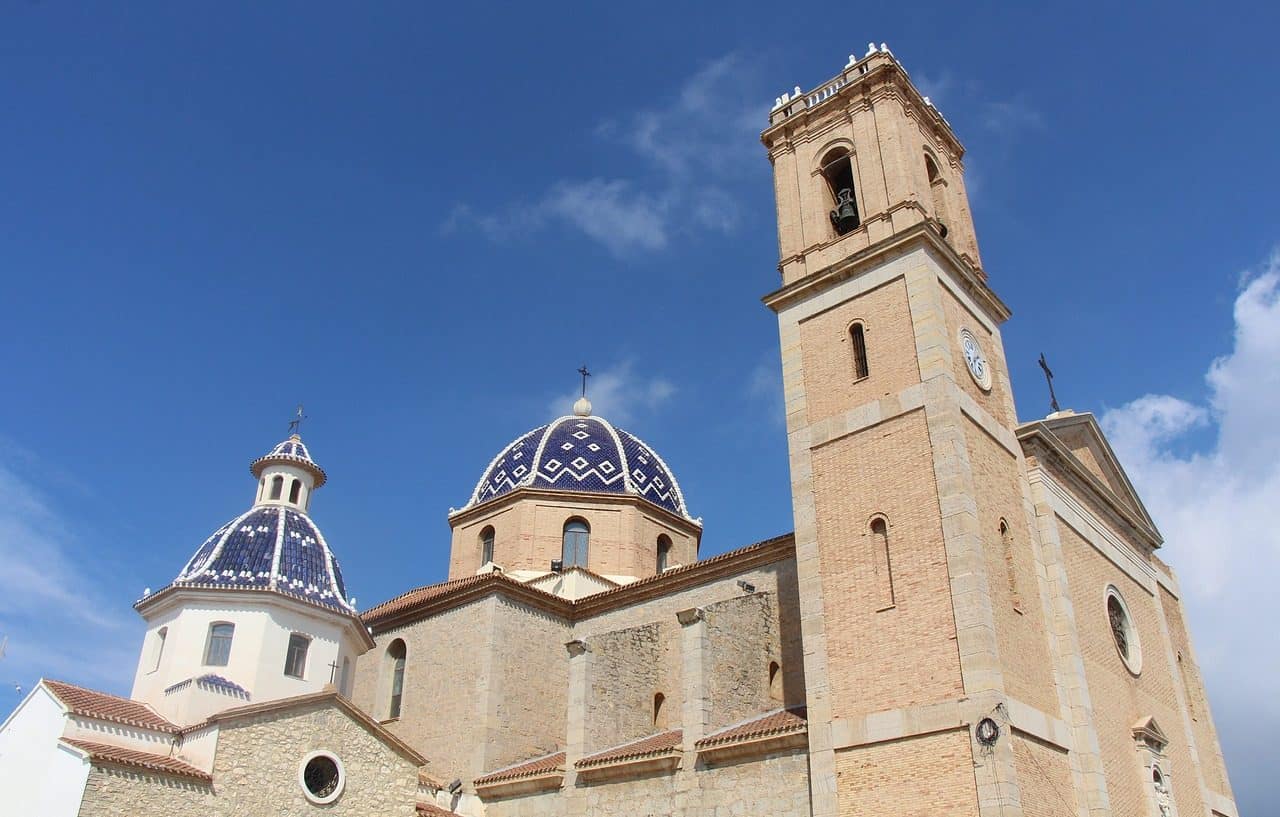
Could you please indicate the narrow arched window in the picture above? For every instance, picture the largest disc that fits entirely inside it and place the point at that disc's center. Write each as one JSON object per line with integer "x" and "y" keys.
{"x": 659, "y": 713}
{"x": 396, "y": 655}
{"x": 858, "y": 341}
{"x": 837, "y": 169}
{"x": 775, "y": 681}
{"x": 277, "y": 486}
{"x": 295, "y": 491}
{"x": 1011, "y": 572}
{"x": 158, "y": 648}
{"x": 937, "y": 193}
{"x": 664, "y": 552}
{"x": 217, "y": 651}
{"x": 486, "y": 545}
{"x": 295, "y": 657}
{"x": 882, "y": 566}
{"x": 576, "y": 534}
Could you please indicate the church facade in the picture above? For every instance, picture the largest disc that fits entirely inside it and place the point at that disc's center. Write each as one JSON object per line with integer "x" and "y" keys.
{"x": 970, "y": 617}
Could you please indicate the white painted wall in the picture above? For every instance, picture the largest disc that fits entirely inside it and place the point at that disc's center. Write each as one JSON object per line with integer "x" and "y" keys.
{"x": 263, "y": 623}
{"x": 39, "y": 775}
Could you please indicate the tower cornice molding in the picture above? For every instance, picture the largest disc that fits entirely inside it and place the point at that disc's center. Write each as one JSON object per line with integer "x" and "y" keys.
{"x": 922, "y": 234}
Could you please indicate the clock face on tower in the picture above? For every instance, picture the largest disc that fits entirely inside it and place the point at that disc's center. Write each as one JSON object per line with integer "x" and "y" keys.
{"x": 975, "y": 360}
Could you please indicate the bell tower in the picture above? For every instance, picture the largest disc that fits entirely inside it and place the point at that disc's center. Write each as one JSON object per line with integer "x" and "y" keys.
{"x": 913, "y": 519}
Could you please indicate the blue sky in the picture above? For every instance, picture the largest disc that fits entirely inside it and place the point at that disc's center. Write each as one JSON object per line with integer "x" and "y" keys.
{"x": 420, "y": 221}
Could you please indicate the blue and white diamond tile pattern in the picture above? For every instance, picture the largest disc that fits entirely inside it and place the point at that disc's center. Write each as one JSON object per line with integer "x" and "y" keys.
{"x": 582, "y": 454}
{"x": 291, "y": 448}
{"x": 269, "y": 547}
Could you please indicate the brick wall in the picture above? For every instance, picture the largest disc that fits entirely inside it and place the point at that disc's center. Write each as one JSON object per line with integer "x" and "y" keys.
{"x": 920, "y": 777}
{"x": 1044, "y": 779}
{"x": 884, "y": 657}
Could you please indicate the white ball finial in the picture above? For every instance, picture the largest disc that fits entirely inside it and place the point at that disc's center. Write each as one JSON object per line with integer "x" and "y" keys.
{"x": 582, "y": 407}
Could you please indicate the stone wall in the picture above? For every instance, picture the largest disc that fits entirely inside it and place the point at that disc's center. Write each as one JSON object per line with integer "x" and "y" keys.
{"x": 526, "y": 686}
{"x": 627, "y": 668}
{"x": 742, "y": 636}
{"x": 256, "y": 772}
{"x": 772, "y": 784}
{"x": 443, "y": 712}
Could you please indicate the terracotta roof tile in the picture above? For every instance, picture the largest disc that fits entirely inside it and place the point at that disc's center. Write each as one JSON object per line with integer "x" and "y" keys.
{"x": 425, "y": 779}
{"x": 660, "y": 743}
{"x": 781, "y": 722}
{"x": 105, "y": 753}
{"x": 553, "y": 762}
{"x": 432, "y": 810}
{"x": 90, "y": 703}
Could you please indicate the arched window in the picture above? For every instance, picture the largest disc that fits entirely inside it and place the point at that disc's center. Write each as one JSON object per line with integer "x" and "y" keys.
{"x": 858, "y": 340}
{"x": 1011, "y": 573}
{"x": 396, "y": 655}
{"x": 157, "y": 649}
{"x": 486, "y": 545}
{"x": 937, "y": 193}
{"x": 659, "y": 714}
{"x": 576, "y": 534}
{"x": 775, "y": 681}
{"x": 295, "y": 490}
{"x": 295, "y": 657}
{"x": 277, "y": 486}
{"x": 837, "y": 169}
{"x": 217, "y": 651}
{"x": 882, "y": 567}
{"x": 664, "y": 552}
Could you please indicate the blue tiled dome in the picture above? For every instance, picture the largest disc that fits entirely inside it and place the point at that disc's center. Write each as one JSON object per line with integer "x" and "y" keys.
{"x": 269, "y": 547}
{"x": 581, "y": 453}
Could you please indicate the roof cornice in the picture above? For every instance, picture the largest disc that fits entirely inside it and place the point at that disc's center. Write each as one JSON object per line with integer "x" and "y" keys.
{"x": 970, "y": 279}
{"x": 692, "y": 526}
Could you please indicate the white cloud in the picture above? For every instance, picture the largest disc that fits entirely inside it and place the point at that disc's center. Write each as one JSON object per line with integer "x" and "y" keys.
{"x": 687, "y": 152}
{"x": 57, "y": 622}
{"x": 619, "y": 394}
{"x": 1217, "y": 509}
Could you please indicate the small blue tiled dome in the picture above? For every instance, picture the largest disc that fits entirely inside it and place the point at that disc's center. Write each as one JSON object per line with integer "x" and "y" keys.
{"x": 269, "y": 547}
{"x": 290, "y": 452}
{"x": 581, "y": 453}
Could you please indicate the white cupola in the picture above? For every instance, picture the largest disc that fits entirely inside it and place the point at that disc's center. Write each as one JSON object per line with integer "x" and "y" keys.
{"x": 287, "y": 475}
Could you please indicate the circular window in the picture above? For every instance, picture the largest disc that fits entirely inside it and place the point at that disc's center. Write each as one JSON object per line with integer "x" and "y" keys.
{"x": 322, "y": 777}
{"x": 1123, "y": 632}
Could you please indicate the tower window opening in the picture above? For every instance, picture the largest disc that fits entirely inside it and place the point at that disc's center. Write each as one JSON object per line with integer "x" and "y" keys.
{"x": 158, "y": 648}
{"x": 857, "y": 336}
{"x": 1011, "y": 572}
{"x": 659, "y": 714}
{"x": 664, "y": 552}
{"x": 486, "y": 545}
{"x": 295, "y": 658}
{"x": 775, "y": 681}
{"x": 576, "y": 535}
{"x": 396, "y": 653}
{"x": 277, "y": 486}
{"x": 937, "y": 193}
{"x": 882, "y": 566}
{"x": 837, "y": 169}
{"x": 295, "y": 490}
{"x": 217, "y": 652}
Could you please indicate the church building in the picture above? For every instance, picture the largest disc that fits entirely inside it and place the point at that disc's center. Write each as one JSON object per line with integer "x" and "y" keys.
{"x": 970, "y": 617}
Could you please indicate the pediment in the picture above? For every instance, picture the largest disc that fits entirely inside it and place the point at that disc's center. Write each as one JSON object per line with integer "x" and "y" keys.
{"x": 1078, "y": 439}
{"x": 1148, "y": 732}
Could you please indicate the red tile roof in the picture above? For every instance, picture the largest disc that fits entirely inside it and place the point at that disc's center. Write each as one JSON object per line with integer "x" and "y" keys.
{"x": 553, "y": 762}
{"x": 90, "y": 703}
{"x": 432, "y": 810}
{"x": 658, "y": 744}
{"x": 427, "y": 780}
{"x": 105, "y": 753}
{"x": 781, "y": 722}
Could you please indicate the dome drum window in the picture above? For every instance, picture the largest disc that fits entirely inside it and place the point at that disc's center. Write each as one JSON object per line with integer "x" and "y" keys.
{"x": 217, "y": 652}
{"x": 577, "y": 534}
{"x": 1123, "y": 633}
{"x": 322, "y": 777}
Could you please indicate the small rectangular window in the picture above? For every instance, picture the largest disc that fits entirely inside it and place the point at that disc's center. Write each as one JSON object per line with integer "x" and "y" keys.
{"x": 295, "y": 660}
